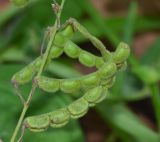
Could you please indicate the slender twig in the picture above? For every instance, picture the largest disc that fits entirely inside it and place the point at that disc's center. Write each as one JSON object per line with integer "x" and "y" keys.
{"x": 34, "y": 86}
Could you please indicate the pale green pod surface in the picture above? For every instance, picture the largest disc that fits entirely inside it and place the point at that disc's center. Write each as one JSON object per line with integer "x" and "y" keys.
{"x": 122, "y": 66}
{"x": 93, "y": 95}
{"x": 72, "y": 50}
{"x": 37, "y": 123}
{"x": 68, "y": 31}
{"x": 37, "y": 63}
{"x": 122, "y": 53}
{"x": 108, "y": 83}
{"x": 87, "y": 59}
{"x": 108, "y": 70}
{"x": 20, "y": 2}
{"x": 90, "y": 81}
{"x": 59, "y": 118}
{"x": 78, "y": 108}
{"x": 99, "y": 62}
{"x": 56, "y": 52}
{"x": 24, "y": 75}
{"x": 70, "y": 86}
{"x": 59, "y": 40}
{"x": 103, "y": 95}
{"x": 48, "y": 84}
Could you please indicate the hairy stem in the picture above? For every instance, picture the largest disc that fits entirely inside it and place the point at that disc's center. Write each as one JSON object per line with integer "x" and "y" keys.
{"x": 34, "y": 86}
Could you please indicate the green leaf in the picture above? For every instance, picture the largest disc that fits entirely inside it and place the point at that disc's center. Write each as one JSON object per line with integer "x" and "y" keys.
{"x": 122, "y": 119}
{"x": 130, "y": 22}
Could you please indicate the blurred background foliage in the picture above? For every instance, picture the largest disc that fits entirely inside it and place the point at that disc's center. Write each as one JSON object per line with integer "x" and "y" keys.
{"x": 131, "y": 113}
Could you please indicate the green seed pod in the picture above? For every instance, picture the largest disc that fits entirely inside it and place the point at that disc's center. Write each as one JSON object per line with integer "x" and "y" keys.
{"x": 37, "y": 123}
{"x": 90, "y": 81}
{"x": 93, "y": 95}
{"x": 59, "y": 118}
{"x": 78, "y": 108}
{"x": 103, "y": 95}
{"x": 20, "y": 3}
{"x": 99, "y": 62}
{"x": 59, "y": 40}
{"x": 122, "y": 66}
{"x": 70, "y": 86}
{"x": 56, "y": 52}
{"x": 72, "y": 50}
{"x": 108, "y": 83}
{"x": 87, "y": 59}
{"x": 108, "y": 70}
{"x": 37, "y": 63}
{"x": 24, "y": 75}
{"x": 122, "y": 53}
{"x": 48, "y": 84}
{"x": 68, "y": 31}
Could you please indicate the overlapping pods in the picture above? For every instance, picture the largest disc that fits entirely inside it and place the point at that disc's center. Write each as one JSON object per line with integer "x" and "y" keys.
{"x": 27, "y": 73}
{"x": 61, "y": 117}
{"x": 73, "y": 51}
{"x": 97, "y": 81}
{"x": 104, "y": 76}
{"x": 94, "y": 85}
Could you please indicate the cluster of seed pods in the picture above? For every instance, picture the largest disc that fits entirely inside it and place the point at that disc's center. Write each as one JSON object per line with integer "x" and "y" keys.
{"x": 61, "y": 117}
{"x": 94, "y": 85}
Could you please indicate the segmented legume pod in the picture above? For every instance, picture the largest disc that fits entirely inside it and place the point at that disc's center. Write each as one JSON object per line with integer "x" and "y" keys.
{"x": 61, "y": 117}
{"x": 92, "y": 80}
{"x": 122, "y": 53}
{"x": 26, "y": 74}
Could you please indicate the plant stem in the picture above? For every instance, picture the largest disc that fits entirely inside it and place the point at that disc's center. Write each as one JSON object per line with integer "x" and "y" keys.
{"x": 25, "y": 108}
{"x": 34, "y": 85}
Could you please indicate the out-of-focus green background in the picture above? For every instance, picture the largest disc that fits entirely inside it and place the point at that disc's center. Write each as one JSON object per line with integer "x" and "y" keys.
{"x": 131, "y": 113}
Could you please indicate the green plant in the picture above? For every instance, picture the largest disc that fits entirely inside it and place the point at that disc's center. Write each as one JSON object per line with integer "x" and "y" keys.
{"x": 59, "y": 39}
{"x": 19, "y": 45}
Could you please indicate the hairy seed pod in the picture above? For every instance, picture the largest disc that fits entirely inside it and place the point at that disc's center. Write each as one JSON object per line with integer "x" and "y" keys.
{"x": 48, "y": 84}
{"x": 108, "y": 70}
{"x": 37, "y": 63}
{"x": 108, "y": 83}
{"x": 72, "y": 50}
{"x": 90, "y": 81}
{"x": 37, "y": 123}
{"x": 27, "y": 73}
{"x": 87, "y": 59}
{"x": 56, "y": 52}
{"x": 122, "y": 53}
{"x": 70, "y": 86}
{"x": 103, "y": 95}
{"x": 99, "y": 62}
{"x": 59, "y": 40}
{"x": 78, "y": 108}
{"x": 68, "y": 31}
{"x": 24, "y": 75}
{"x": 122, "y": 66}
{"x": 59, "y": 118}
{"x": 20, "y": 3}
{"x": 93, "y": 95}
